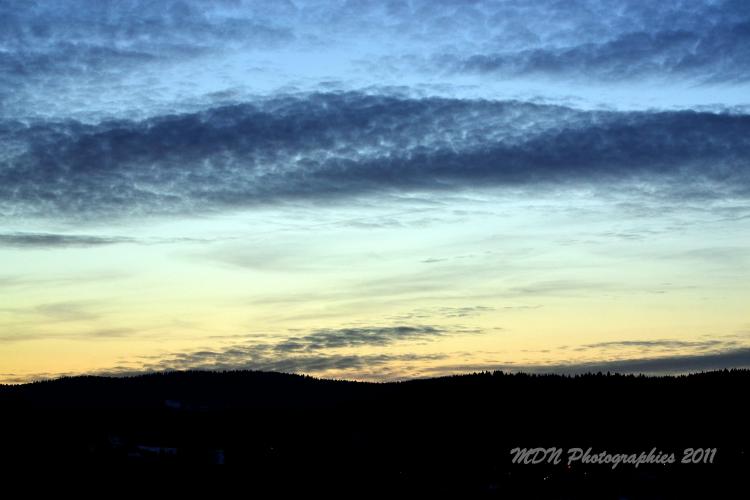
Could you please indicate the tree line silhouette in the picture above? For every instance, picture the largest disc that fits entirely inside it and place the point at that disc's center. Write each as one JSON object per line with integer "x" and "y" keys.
{"x": 427, "y": 435}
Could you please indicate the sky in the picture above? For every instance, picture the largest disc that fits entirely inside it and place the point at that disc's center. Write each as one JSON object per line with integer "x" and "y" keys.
{"x": 374, "y": 190}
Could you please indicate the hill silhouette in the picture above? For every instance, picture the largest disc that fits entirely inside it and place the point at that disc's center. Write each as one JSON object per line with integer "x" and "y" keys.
{"x": 431, "y": 435}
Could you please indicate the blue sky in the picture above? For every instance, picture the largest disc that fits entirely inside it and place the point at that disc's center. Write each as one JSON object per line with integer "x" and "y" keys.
{"x": 373, "y": 190}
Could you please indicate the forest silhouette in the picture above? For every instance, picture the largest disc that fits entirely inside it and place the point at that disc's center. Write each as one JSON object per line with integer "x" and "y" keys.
{"x": 451, "y": 433}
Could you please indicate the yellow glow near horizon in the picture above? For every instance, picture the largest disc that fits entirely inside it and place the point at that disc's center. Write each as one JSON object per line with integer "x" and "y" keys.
{"x": 505, "y": 282}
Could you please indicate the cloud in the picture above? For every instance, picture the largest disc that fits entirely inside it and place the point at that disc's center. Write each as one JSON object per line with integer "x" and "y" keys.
{"x": 265, "y": 357}
{"x": 329, "y": 146}
{"x": 63, "y": 311}
{"x": 605, "y": 38}
{"x": 78, "y": 37}
{"x": 323, "y": 362}
{"x": 82, "y": 335}
{"x": 560, "y": 287}
{"x": 660, "y": 344}
{"x": 720, "y": 53}
{"x": 129, "y": 58}
{"x": 444, "y": 312}
{"x": 56, "y": 240}
{"x": 357, "y": 337}
{"x": 135, "y": 108}
{"x": 387, "y": 366}
{"x": 732, "y": 358}
{"x": 663, "y": 365}
{"x": 50, "y": 240}
{"x": 50, "y": 281}
{"x": 464, "y": 312}
{"x": 587, "y": 40}
{"x": 317, "y": 351}
{"x": 384, "y": 367}
{"x": 320, "y": 352}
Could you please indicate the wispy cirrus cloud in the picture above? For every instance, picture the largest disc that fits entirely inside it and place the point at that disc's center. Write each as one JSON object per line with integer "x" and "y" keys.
{"x": 669, "y": 344}
{"x": 84, "y": 335}
{"x": 52, "y": 240}
{"x": 26, "y": 240}
{"x": 444, "y": 312}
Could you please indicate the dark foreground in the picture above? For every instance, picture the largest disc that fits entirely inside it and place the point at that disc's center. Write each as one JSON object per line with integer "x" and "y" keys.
{"x": 451, "y": 434}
